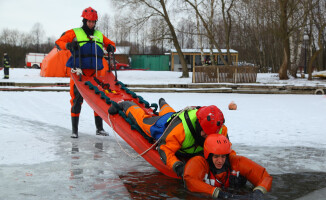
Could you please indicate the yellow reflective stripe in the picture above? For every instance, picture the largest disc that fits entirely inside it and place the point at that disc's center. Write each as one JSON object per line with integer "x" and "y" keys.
{"x": 220, "y": 132}
{"x": 81, "y": 37}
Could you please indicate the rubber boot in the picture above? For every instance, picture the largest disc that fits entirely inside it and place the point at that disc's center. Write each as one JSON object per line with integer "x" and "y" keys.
{"x": 115, "y": 110}
{"x": 74, "y": 122}
{"x": 99, "y": 126}
{"x": 161, "y": 102}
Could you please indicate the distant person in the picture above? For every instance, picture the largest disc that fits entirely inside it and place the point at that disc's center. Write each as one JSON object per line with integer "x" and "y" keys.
{"x": 6, "y": 65}
{"x": 218, "y": 170}
{"x": 184, "y": 131}
{"x": 76, "y": 40}
{"x": 129, "y": 60}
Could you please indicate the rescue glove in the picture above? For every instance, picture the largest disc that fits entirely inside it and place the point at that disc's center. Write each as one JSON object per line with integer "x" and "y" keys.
{"x": 110, "y": 48}
{"x": 219, "y": 194}
{"x": 72, "y": 46}
{"x": 256, "y": 195}
{"x": 78, "y": 71}
{"x": 178, "y": 168}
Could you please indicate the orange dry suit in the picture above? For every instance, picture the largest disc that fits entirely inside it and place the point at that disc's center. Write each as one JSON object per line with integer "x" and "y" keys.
{"x": 177, "y": 137}
{"x": 179, "y": 143}
{"x": 199, "y": 177}
{"x": 88, "y": 59}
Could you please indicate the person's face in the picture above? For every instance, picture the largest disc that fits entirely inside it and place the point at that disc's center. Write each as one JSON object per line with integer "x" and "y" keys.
{"x": 218, "y": 160}
{"x": 203, "y": 134}
{"x": 91, "y": 24}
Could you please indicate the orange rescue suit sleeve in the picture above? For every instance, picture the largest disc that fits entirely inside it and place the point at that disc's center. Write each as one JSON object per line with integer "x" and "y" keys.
{"x": 225, "y": 131}
{"x": 255, "y": 173}
{"x": 66, "y": 37}
{"x": 194, "y": 173}
{"x": 107, "y": 41}
{"x": 172, "y": 144}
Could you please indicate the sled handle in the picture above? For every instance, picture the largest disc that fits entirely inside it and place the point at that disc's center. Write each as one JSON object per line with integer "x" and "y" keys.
{"x": 115, "y": 67}
{"x": 96, "y": 38}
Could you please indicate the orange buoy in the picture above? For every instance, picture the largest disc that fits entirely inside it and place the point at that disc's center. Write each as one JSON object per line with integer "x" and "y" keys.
{"x": 232, "y": 106}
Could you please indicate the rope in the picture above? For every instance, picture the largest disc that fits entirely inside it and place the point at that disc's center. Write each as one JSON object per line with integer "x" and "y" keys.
{"x": 116, "y": 139}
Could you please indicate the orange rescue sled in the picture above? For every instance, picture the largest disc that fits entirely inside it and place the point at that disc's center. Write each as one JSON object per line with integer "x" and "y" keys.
{"x": 101, "y": 93}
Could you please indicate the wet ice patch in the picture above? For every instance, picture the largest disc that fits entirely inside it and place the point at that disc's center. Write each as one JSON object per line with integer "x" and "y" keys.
{"x": 29, "y": 142}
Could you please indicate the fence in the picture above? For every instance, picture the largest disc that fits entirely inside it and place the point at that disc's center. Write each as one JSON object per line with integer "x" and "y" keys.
{"x": 224, "y": 74}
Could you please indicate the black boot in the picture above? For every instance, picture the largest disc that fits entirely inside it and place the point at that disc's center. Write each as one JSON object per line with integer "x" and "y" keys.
{"x": 161, "y": 102}
{"x": 99, "y": 126}
{"x": 114, "y": 109}
{"x": 74, "y": 122}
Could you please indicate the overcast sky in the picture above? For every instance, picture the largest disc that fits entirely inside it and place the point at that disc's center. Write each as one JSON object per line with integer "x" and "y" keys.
{"x": 55, "y": 16}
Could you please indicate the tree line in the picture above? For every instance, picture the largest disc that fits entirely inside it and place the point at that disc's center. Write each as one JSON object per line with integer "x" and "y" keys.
{"x": 269, "y": 34}
{"x": 17, "y": 44}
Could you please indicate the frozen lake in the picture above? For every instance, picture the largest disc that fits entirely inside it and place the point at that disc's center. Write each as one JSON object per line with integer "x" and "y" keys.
{"x": 38, "y": 159}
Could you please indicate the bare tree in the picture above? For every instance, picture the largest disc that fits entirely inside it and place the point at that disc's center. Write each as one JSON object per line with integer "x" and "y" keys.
{"x": 200, "y": 37}
{"x": 159, "y": 8}
{"x": 37, "y": 35}
{"x": 209, "y": 27}
{"x": 227, "y": 25}
{"x": 314, "y": 56}
{"x": 104, "y": 24}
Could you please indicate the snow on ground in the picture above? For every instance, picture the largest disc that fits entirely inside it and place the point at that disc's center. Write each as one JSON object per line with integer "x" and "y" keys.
{"x": 154, "y": 77}
{"x": 261, "y": 120}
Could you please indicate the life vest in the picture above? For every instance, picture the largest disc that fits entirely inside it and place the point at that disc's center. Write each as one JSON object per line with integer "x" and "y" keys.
{"x": 160, "y": 125}
{"x": 188, "y": 145}
{"x": 87, "y": 50}
{"x": 221, "y": 180}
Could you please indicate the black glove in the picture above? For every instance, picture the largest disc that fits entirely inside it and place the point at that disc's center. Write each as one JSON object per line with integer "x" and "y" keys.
{"x": 72, "y": 46}
{"x": 225, "y": 195}
{"x": 110, "y": 48}
{"x": 178, "y": 168}
{"x": 256, "y": 195}
{"x": 237, "y": 181}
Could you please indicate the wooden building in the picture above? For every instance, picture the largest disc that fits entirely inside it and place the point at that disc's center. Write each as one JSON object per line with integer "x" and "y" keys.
{"x": 193, "y": 58}
{"x": 122, "y": 54}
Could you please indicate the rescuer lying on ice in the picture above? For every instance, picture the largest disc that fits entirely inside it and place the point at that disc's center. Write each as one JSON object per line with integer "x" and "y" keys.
{"x": 82, "y": 41}
{"x": 184, "y": 131}
{"x": 218, "y": 169}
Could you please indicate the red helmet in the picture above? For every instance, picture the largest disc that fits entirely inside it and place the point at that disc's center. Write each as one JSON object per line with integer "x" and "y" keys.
{"x": 216, "y": 144}
{"x": 210, "y": 118}
{"x": 89, "y": 14}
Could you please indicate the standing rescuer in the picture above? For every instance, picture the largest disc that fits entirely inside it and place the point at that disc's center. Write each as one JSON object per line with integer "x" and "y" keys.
{"x": 6, "y": 64}
{"x": 217, "y": 170}
{"x": 82, "y": 40}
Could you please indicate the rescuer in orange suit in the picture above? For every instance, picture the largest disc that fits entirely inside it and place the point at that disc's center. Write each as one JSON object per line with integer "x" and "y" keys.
{"x": 218, "y": 169}
{"x": 82, "y": 40}
{"x": 184, "y": 131}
